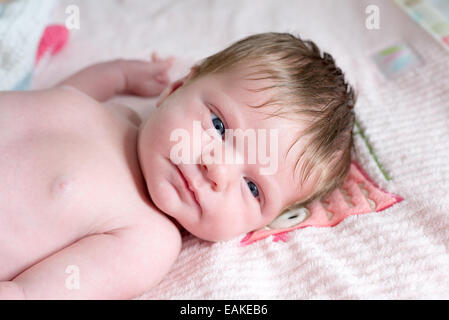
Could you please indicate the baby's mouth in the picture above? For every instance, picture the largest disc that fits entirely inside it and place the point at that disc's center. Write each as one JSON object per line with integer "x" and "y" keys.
{"x": 188, "y": 186}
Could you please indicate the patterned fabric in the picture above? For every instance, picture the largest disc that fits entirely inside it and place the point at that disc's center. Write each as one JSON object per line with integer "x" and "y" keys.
{"x": 21, "y": 25}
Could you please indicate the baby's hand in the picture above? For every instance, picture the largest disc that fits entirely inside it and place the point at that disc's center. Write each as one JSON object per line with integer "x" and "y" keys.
{"x": 9, "y": 290}
{"x": 146, "y": 79}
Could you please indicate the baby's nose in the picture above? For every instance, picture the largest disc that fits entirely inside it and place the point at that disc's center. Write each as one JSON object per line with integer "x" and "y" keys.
{"x": 217, "y": 174}
{"x": 218, "y": 167}
{"x": 220, "y": 175}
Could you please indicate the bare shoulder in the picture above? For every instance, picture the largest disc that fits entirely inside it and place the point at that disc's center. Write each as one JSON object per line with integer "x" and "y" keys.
{"x": 153, "y": 224}
{"x": 127, "y": 113}
{"x": 47, "y": 102}
{"x": 119, "y": 264}
{"x": 54, "y": 93}
{"x": 119, "y": 109}
{"x": 155, "y": 239}
{"x": 40, "y": 110}
{"x": 62, "y": 99}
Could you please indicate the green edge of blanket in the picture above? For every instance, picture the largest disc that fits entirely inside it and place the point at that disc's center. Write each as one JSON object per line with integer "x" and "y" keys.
{"x": 371, "y": 151}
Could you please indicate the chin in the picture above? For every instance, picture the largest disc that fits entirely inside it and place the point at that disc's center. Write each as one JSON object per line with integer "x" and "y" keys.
{"x": 208, "y": 235}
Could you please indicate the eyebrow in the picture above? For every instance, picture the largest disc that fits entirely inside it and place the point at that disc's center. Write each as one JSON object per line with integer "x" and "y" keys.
{"x": 224, "y": 108}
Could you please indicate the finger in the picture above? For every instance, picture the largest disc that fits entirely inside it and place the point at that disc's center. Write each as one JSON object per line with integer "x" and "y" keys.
{"x": 154, "y": 56}
{"x": 151, "y": 89}
{"x": 170, "y": 60}
{"x": 160, "y": 67}
{"x": 167, "y": 63}
{"x": 161, "y": 78}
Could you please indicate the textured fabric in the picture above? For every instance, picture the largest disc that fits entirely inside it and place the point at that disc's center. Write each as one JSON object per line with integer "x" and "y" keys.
{"x": 21, "y": 25}
{"x": 401, "y": 252}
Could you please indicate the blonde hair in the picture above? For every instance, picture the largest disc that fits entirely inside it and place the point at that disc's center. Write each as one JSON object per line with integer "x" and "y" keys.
{"x": 308, "y": 83}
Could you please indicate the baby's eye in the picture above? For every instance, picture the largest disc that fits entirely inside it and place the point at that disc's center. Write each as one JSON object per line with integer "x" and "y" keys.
{"x": 218, "y": 124}
{"x": 253, "y": 188}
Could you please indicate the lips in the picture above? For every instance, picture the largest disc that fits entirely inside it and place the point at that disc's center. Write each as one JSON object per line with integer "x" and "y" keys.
{"x": 188, "y": 185}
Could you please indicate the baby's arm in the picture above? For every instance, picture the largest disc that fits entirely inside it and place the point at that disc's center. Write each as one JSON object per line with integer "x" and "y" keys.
{"x": 103, "y": 80}
{"x": 117, "y": 265}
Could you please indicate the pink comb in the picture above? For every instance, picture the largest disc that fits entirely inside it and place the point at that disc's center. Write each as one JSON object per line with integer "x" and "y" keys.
{"x": 357, "y": 195}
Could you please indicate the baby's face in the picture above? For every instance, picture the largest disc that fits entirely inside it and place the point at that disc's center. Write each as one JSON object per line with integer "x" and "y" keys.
{"x": 233, "y": 189}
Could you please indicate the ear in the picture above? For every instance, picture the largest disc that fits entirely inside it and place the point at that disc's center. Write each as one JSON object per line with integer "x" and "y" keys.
{"x": 175, "y": 86}
{"x": 357, "y": 195}
{"x": 290, "y": 218}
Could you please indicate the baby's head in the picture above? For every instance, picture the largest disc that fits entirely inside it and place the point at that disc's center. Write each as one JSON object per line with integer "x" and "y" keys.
{"x": 278, "y": 94}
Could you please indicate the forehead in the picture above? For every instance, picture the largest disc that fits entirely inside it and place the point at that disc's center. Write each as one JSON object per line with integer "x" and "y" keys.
{"x": 237, "y": 94}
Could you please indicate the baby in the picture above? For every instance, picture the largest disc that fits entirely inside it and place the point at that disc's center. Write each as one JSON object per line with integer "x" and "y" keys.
{"x": 92, "y": 198}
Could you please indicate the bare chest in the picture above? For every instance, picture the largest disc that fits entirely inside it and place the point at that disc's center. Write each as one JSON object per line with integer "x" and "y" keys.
{"x": 68, "y": 168}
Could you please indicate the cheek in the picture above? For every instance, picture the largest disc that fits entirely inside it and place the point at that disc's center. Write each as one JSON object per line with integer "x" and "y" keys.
{"x": 175, "y": 118}
{"x": 182, "y": 115}
{"x": 234, "y": 217}
{"x": 161, "y": 126}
